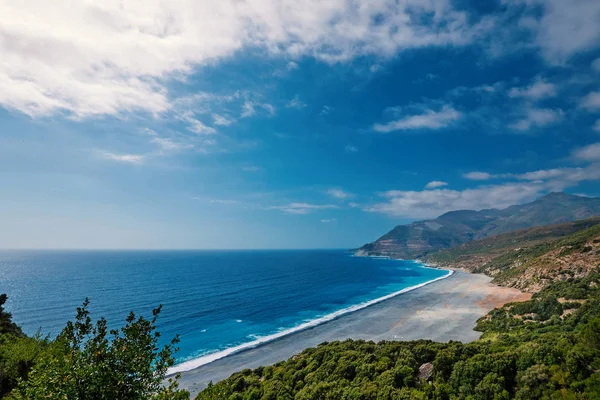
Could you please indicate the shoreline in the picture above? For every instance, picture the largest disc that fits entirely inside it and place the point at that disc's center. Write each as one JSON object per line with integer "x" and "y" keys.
{"x": 261, "y": 341}
{"x": 444, "y": 310}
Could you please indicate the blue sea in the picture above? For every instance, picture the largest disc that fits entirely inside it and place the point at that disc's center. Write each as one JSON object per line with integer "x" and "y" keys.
{"x": 217, "y": 301}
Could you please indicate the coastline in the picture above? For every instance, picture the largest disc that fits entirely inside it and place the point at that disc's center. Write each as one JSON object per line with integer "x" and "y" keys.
{"x": 443, "y": 310}
{"x": 260, "y": 341}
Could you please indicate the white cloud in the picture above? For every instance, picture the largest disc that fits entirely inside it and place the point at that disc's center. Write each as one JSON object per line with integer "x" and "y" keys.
{"x": 596, "y": 64}
{"x": 350, "y": 149}
{"x": 555, "y": 178}
{"x": 565, "y": 28}
{"x": 199, "y": 101}
{"x": 248, "y": 109}
{"x": 296, "y": 103}
{"x": 537, "y": 117}
{"x": 167, "y": 144}
{"x": 545, "y": 174}
{"x": 597, "y": 126}
{"x": 301, "y": 208}
{"x": 431, "y": 203}
{"x": 478, "y": 176}
{"x": 426, "y": 78}
{"x": 428, "y": 119}
{"x": 339, "y": 194}
{"x": 269, "y": 108}
{"x": 435, "y": 184}
{"x": 222, "y": 201}
{"x": 196, "y": 125}
{"x": 292, "y": 65}
{"x": 221, "y": 120}
{"x": 125, "y": 158}
{"x": 536, "y": 91}
{"x": 519, "y": 189}
{"x": 93, "y": 58}
{"x": 591, "y": 101}
{"x": 169, "y": 141}
{"x": 328, "y": 221}
{"x": 486, "y": 89}
{"x": 326, "y": 110}
{"x": 588, "y": 153}
{"x": 558, "y": 179}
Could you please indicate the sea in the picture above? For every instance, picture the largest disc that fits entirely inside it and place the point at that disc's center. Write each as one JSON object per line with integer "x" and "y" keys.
{"x": 218, "y": 302}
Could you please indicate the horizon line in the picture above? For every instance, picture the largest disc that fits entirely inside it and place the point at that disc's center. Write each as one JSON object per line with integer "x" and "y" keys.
{"x": 173, "y": 249}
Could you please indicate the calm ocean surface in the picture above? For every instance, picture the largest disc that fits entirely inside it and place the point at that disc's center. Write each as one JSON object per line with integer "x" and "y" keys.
{"x": 214, "y": 300}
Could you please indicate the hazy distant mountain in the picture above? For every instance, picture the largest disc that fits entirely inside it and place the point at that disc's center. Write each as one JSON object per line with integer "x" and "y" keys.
{"x": 457, "y": 227}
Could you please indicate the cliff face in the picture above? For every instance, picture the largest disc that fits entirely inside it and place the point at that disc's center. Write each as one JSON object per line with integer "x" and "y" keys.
{"x": 457, "y": 227}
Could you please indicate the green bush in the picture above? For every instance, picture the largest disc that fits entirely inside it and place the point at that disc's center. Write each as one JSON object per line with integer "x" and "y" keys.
{"x": 88, "y": 361}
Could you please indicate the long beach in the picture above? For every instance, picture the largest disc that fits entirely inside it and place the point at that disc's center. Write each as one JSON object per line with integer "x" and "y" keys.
{"x": 442, "y": 311}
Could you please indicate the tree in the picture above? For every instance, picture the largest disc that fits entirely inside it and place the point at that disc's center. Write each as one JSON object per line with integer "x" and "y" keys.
{"x": 17, "y": 352}
{"x": 492, "y": 388}
{"x": 17, "y": 357}
{"x": 7, "y": 326}
{"x": 87, "y": 361}
{"x": 590, "y": 336}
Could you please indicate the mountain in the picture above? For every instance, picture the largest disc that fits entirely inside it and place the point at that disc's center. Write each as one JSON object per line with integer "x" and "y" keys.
{"x": 457, "y": 227}
{"x": 530, "y": 259}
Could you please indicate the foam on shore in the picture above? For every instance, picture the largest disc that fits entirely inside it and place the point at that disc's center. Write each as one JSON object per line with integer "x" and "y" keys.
{"x": 197, "y": 362}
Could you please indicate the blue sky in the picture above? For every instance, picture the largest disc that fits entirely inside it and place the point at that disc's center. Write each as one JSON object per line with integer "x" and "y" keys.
{"x": 286, "y": 124}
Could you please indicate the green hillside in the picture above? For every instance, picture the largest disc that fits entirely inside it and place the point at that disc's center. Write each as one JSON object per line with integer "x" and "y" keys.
{"x": 531, "y": 258}
{"x": 497, "y": 245}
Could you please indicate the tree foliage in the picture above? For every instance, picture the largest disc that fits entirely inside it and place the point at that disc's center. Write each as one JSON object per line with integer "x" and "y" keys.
{"x": 89, "y": 361}
{"x": 7, "y": 326}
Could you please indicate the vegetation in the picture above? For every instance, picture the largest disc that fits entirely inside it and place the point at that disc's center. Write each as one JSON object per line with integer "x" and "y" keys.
{"x": 545, "y": 348}
{"x": 530, "y": 259}
{"x": 87, "y": 361}
{"x": 497, "y": 245}
{"x": 17, "y": 352}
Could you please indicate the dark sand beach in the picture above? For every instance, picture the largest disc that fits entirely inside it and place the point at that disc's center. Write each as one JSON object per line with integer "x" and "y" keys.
{"x": 444, "y": 310}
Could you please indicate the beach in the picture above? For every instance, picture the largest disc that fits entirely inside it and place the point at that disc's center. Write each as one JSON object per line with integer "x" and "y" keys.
{"x": 442, "y": 311}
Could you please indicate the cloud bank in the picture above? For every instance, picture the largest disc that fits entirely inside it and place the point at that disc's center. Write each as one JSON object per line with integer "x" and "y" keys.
{"x": 428, "y": 119}
{"x": 108, "y": 57}
{"x": 518, "y": 189}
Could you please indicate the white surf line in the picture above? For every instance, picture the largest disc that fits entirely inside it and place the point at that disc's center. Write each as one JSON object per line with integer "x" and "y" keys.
{"x": 200, "y": 361}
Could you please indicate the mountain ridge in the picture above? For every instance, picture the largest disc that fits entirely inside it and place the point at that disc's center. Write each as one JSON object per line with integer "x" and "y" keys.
{"x": 461, "y": 226}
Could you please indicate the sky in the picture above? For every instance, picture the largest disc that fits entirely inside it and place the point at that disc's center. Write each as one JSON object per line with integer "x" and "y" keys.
{"x": 244, "y": 124}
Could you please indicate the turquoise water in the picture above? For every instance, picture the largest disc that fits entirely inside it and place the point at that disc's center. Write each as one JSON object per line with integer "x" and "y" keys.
{"x": 217, "y": 301}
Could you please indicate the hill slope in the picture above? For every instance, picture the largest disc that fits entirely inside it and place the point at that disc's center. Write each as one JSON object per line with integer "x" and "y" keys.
{"x": 530, "y": 259}
{"x": 458, "y": 227}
